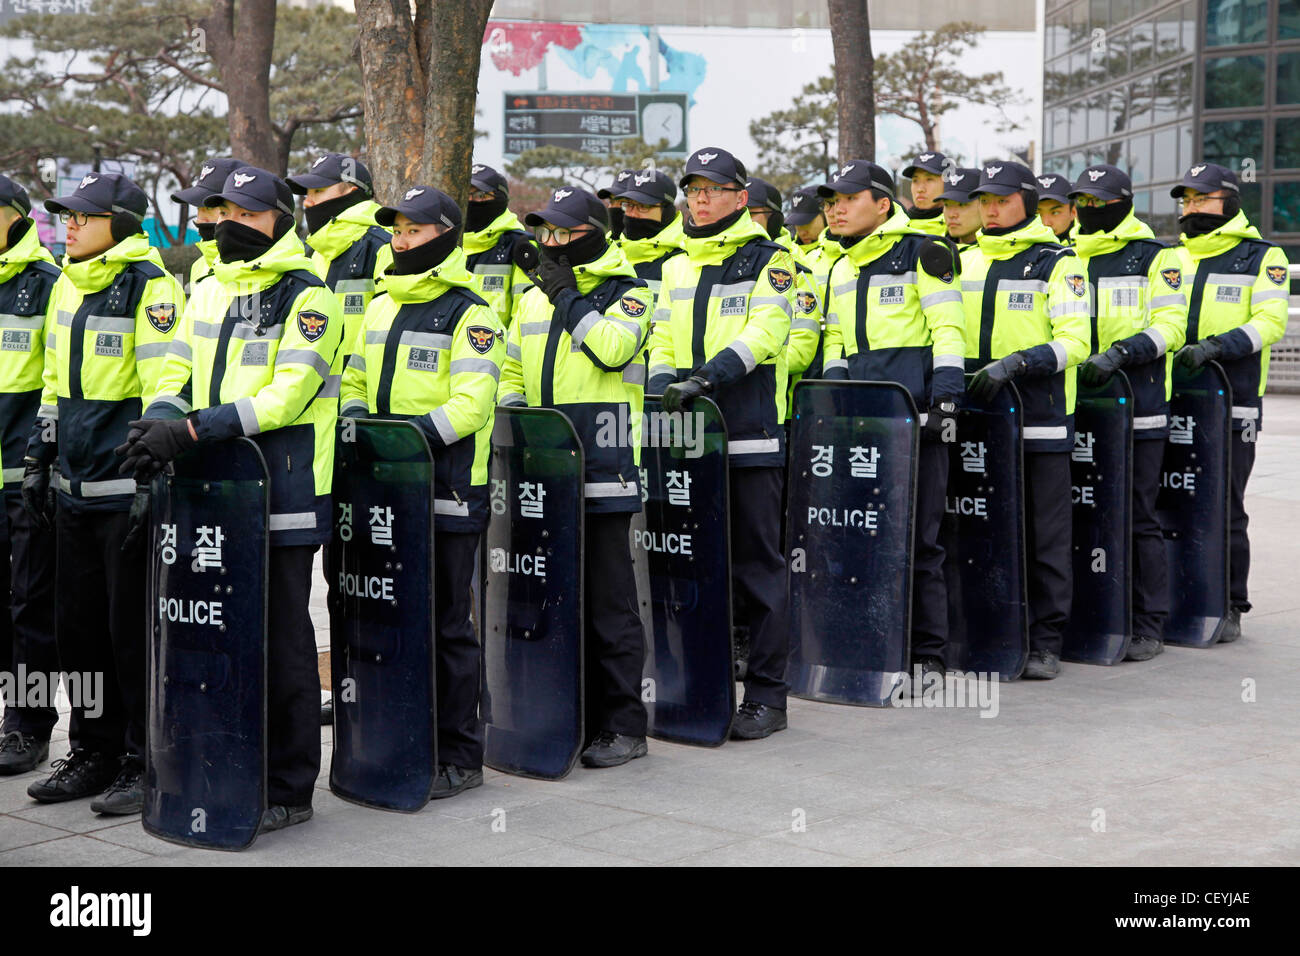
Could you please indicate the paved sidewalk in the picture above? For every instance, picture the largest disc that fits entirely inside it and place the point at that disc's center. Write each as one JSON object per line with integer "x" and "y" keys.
{"x": 1161, "y": 763}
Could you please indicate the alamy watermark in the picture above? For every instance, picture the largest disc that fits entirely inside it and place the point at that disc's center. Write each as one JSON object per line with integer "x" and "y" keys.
{"x": 978, "y": 689}
{"x": 659, "y": 429}
{"x": 25, "y": 688}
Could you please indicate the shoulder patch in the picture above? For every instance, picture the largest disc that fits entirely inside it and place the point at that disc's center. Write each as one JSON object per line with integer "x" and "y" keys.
{"x": 312, "y": 324}
{"x": 632, "y": 306}
{"x": 1173, "y": 278}
{"x": 480, "y": 338}
{"x": 1276, "y": 274}
{"x": 1078, "y": 285}
{"x": 781, "y": 279}
{"x": 806, "y": 302}
{"x": 161, "y": 315}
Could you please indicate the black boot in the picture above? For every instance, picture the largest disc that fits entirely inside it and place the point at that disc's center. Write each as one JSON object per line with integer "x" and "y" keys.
{"x": 1042, "y": 665}
{"x": 613, "y": 750}
{"x": 79, "y": 774}
{"x": 1143, "y": 648}
{"x": 755, "y": 721}
{"x": 1231, "y": 627}
{"x": 21, "y": 753}
{"x": 126, "y": 795}
{"x": 451, "y": 780}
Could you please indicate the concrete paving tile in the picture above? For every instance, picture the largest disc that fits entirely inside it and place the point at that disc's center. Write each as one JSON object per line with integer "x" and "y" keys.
{"x": 72, "y": 850}
{"x": 74, "y": 816}
{"x": 859, "y": 837}
{"x": 768, "y": 851}
{"x": 555, "y": 853}
{"x": 655, "y": 839}
{"x": 16, "y": 832}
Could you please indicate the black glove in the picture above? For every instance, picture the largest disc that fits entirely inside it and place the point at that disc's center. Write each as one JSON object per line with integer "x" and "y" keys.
{"x": 138, "y": 524}
{"x": 38, "y": 496}
{"x": 1098, "y": 369}
{"x": 678, "y": 394}
{"x": 525, "y": 256}
{"x": 161, "y": 443}
{"x": 1194, "y": 356}
{"x": 937, "y": 418}
{"x": 134, "y": 433}
{"x": 989, "y": 380}
{"x": 554, "y": 276}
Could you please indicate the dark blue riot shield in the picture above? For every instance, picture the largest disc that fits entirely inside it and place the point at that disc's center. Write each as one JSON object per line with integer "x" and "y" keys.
{"x": 984, "y": 539}
{"x": 849, "y": 535}
{"x": 382, "y": 640}
{"x": 1192, "y": 504}
{"x": 532, "y": 607}
{"x": 681, "y": 542}
{"x": 205, "y": 762}
{"x": 1101, "y": 468}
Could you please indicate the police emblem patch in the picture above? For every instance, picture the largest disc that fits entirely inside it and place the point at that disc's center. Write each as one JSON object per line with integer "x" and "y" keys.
{"x": 781, "y": 279}
{"x": 312, "y": 324}
{"x": 1173, "y": 278}
{"x": 480, "y": 338}
{"x": 1078, "y": 285}
{"x": 1276, "y": 274}
{"x": 162, "y": 315}
{"x": 631, "y": 306}
{"x": 806, "y": 301}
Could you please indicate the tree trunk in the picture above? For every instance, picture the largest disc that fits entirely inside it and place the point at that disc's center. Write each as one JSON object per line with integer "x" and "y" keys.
{"x": 393, "y": 85}
{"x": 850, "y": 26}
{"x": 455, "y": 49}
{"x": 240, "y": 42}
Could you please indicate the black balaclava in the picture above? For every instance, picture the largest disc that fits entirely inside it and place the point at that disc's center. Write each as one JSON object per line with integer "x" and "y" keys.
{"x": 207, "y": 230}
{"x": 124, "y": 225}
{"x": 1106, "y": 218}
{"x": 425, "y": 256}
{"x": 617, "y": 221}
{"x": 323, "y": 212}
{"x": 1199, "y": 223}
{"x": 723, "y": 224}
{"x": 586, "y": 248}
{"x": 775, "y": 221}
{"x": 932, "y": 213}
{"x": 17, "y": 229}
{"x": 480, "y": 215}
{"x": 237, "y": 242}
{"x": 634, "y": 228}
{"x": 1004, "y": 230}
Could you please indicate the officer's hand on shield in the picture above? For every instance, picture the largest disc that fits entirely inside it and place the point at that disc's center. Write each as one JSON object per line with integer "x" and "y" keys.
{"x": 138, "y": 520}
{"x": 1098, "y": 369}
{"x": 161, "y": 442}
{"x": 38, "y": 496}
{"x": 1194, "y": 356}
{"x": 989, "y": 380}
{"x": 937, "y": 421}
{"x": 679, "y": 394}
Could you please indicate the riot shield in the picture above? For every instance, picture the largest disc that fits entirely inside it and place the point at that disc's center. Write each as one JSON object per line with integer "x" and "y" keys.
{"x": 1101, "y": 468}
{"x": 682, "y": 542}
{"x": 1192, "y": 504}
{"x": 532, "y": 606}
{"x": 382, "y": 645}
{"x": 849, "y": 533}
{"x": 205, "y": 761}
{"x": 984, "y": 539}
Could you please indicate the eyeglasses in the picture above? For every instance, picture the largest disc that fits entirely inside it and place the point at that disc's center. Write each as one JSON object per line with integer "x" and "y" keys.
{"x": 1199, "y": 202}
{"x": 1089, "y": 202}
{"x": 561, "y": 234}
{"x": 626, "y": 204}
{"x": 80, "y": 218}
{"x": 713, "y": 192}
{"x": 478, "y": 195}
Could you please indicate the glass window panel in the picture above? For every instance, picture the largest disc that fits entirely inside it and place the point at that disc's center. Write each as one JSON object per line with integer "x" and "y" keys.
{"x": 1164, "y": 158}
{"x": 1184, "y": 101}
{"x": 1139, "y": 159}
{"x": 1163, "y": 218}
{"x": 1140, "y": 105}
{"x": 1168, "y": 44}
{"x": 1228, "y": 142}
{"x": 1079, "y": 70}
{"x": 1235, "y": 21}
{"x": 1252, "y": 201}
{"x": 1288, "y": 18}
{"x": 1188, "y": 14}
{"x": 1099, "y": 16}
{"x": 1060, "y": 127}
{"x": 1140, "y": 46}
{"x": 1078, "y": 23}
{"x": 1187, "y": 152}
{"x": 1233, "y": 82}
{"x": 1056, "y": 80}
{"x": 1288, "y": 77}
{"x": 1077, "y": 131}
{"x": 1142, "y": 6}
{"x": 1114, "y": 154}
{"x": 1165, "y": 103}
{"x": 1121, "y": 106}
{"x": 1286, "y": 207}
{"x": 1287, "y": 136}
{"x": 1142, "y": 202}
{"x": 1097, "y": 156}
{"x": 1120, "y": 10}
{"x": 1096, "y": 106}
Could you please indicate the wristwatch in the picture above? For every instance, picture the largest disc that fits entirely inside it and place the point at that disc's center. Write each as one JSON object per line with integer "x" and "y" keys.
{"x": 948, "y": 408}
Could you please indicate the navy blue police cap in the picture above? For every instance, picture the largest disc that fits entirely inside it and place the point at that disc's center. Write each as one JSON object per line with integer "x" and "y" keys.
{"x": 422, "y": 204}
{"x": 488, "y": 179}
{"x": 1053, "y": 186}
{"x": 763, "y": 195}
{"x": 12, "y": 194}
{"x": 210, "y": 180}
{"x": 936, "y": 163}
{"x": 103, "y": 194}
{"x": 805, "y": 206}
{"x": 857, "y": 175}
{"x": 571, "y": 206}
{"x": 650, "y": 187}
{"x": 330, "y": 169}
{"x": 716, "y": 165}
{"x": 254, "y": 189}
{"x": 1206, "y": 178}
{"x": 1003, "y": 179}
{"x": 959, "y": 182}
{"x": 1103, "y": 182}
{"x": 620, "y": 183}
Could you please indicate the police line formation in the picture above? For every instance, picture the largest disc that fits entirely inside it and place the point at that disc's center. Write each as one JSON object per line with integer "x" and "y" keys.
{"x": 1017, "y": 436}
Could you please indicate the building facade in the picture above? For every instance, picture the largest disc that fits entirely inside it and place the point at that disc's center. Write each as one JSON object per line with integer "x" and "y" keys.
{"x": 1152, "y": 86}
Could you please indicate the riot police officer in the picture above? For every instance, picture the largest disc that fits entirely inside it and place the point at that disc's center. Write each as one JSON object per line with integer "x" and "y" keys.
{"x": 720, "y": 330}
{"x": 276, "y": 381}
{"x": 1237, "y": 308}
{"x": 807, "y": 219}
{"x": 652, "y": 226}
{"x": 116, "y": 311}
{"x": 27, "y": 277}
{"x": 926, "y": 172}
{"x": 910, "y": 330}
{"x": 212, "y": 176}
{"x": 1137, "y": 284}
{"x": 491, "y": 232}
{"x": 961, "y": 212}
{"x": 575, "y": 345}
{"x": 1056, "y": 207}
{"x": 450, "y": 395}
{"x": 349, "y": 250}
{"x": 610, "y": 194}
{"x": 1026, "y": 302}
